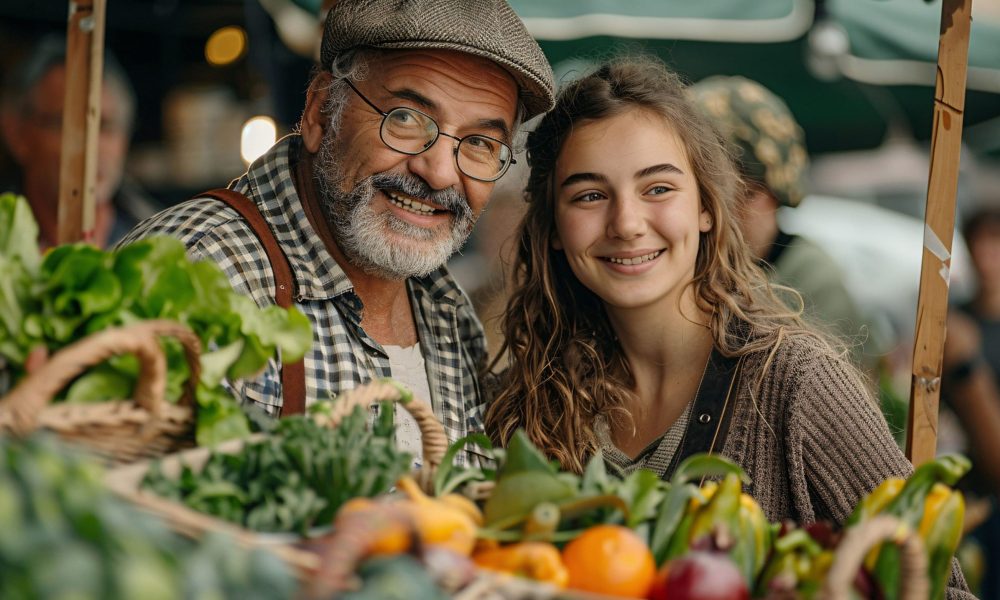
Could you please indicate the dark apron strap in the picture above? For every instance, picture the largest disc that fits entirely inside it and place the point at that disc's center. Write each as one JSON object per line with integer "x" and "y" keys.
{"x": 293, "y": 375}
{"x": 712, "y": 410}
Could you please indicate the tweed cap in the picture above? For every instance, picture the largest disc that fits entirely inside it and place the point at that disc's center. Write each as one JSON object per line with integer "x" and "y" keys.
{"x": 486, "y": 28}
{"x": 761, "y": 131}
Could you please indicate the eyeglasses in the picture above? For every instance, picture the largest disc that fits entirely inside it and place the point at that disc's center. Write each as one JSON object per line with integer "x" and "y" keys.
{"x": 409, "y": 131}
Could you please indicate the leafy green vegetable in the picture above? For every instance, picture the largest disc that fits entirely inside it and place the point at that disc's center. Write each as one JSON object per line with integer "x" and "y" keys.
{"x": 294, "y": 479}
{"x": 78, "y": 289}
{"x": 62, "y": 535}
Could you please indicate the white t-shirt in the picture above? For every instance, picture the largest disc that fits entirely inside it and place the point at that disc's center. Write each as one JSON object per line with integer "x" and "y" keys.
{"x": 407, "y": 367}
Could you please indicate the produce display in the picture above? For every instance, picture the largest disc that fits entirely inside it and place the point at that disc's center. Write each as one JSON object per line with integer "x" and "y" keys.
{"x": 347, "y": 492}
{"x": 696, "y": 536}
{"x": 54, "y": 299}
{"x": 63, "y": 536}
{"x": 294, "y": 479}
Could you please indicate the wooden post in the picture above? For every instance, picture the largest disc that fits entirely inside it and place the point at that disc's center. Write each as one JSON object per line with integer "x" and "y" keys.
{"x": 932, "y": 305}
{"x": 81, "y": 120}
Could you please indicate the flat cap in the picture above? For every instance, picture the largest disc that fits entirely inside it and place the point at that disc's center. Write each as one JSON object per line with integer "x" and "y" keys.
{"x": 760, "y": 130}
{"x": 486, "y": 28}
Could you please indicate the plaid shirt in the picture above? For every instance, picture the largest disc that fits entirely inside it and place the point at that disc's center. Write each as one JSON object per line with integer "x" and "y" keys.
{"x": 342, "y": 354}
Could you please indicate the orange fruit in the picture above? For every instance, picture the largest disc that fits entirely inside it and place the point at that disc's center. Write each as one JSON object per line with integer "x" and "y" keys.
{"x": 610, "y": 559}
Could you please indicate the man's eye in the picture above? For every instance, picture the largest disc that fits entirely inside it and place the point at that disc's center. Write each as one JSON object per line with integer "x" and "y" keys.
{"x": 402, "y": 117}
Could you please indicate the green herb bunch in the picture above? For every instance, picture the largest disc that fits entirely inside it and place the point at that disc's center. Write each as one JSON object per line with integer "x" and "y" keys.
{"x": 74, "y": 290}
{"x": 62, "y": 535}
{"x": 294, "y": 479}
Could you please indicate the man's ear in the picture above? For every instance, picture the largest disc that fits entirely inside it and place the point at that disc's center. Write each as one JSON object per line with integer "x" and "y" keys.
{"x": 313, "y": 120}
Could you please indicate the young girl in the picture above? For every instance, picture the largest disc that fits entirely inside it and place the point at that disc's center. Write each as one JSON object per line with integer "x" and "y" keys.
{"x": 641, "y": 326}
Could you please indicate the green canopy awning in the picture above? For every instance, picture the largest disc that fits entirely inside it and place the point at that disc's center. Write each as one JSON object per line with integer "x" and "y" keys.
{"x": 705, "y": 20}
{"x": 895, "y": 42}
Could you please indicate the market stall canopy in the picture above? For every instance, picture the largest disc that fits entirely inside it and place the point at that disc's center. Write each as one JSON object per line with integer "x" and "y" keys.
{"x": 894, "y": 42}
{"x": 771, "y": 41}
{"x": 706, "y": 20}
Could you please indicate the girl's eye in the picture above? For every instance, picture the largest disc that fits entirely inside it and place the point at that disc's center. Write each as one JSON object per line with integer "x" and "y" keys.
{"x": 588, "y": 197}
{"x": 656, "y": 190}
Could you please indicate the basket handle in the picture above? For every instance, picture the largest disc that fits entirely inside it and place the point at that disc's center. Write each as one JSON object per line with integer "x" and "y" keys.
{"x": 858, "y": 540}
{"x": 433, "y": 438}
{"x": 35, "y": 391}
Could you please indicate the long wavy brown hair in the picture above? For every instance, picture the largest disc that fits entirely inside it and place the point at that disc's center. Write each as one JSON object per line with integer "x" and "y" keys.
{"x": 566, "y": 366}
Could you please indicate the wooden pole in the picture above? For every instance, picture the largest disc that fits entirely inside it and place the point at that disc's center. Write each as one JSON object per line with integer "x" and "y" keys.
{"x": 81, "y": 120}
{"x": 932, "y": 304}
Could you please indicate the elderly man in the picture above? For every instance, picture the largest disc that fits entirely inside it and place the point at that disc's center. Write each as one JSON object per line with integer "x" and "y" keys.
{"x": 407, "y": 126}
{"x": 31, "y": 118}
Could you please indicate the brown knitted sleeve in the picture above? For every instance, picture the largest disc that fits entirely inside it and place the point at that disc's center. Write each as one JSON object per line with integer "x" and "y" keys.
{"x": 839, "y": 446}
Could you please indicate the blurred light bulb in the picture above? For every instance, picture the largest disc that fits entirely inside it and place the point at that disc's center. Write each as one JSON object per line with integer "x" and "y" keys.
{"x": 225, "y": 45}
{"x": 258, "y": 135}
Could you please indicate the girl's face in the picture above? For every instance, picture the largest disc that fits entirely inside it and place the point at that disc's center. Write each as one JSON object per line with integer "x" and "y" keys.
{"x": 627, "y": 210}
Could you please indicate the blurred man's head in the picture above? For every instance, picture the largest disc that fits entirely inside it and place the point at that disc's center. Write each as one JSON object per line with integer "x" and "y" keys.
{"x": 32, "y": 110}
{"x": 982, "y": 235}
{"x": 767, "y": 143}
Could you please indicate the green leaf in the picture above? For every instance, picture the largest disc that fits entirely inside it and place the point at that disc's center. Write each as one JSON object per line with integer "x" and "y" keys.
{"x": 253, "y": 356}
{"x": 288, "y": 330}
{"x": 18, "y": 231}
{"x": 641, "y": 493}
{"x": 523, "y": 456}
{"x": 100, "y": 384}
{"x": 595, "y": 479}
{"x": 102, "y": 294}
{"x": 385, "y": 424}
{"x": 128, "y": 266}
{"x": 16, "y": 308}
{"x": 214, "y": 364}
{"x": 672, "y": 510}
{"x": 219, "y": 417}
{"x": 706, "y": 465}
{"x": 444, "y": 481}
{"x": 171, "y": 294}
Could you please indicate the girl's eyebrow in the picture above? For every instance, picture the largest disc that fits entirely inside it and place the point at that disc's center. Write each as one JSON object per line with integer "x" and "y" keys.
{"x": 661, "y": 168}
{"x": 598, "y": 178}
{"x": 581, "y": 177}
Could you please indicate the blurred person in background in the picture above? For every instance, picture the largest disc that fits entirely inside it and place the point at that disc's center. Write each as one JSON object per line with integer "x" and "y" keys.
{"x": 31, "y": 112}
{"x": 769, "y": 146}
{"x": 969, "y": 384}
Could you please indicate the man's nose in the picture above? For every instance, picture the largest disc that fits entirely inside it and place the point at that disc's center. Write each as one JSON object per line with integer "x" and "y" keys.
{"x": 437, "y": 165}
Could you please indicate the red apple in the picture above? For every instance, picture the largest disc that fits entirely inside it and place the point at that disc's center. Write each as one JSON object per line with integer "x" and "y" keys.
{"x": 699, "y": 576}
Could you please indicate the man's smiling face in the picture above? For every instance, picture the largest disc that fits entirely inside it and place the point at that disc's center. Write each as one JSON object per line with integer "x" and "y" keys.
{"x": 396, "y": 215}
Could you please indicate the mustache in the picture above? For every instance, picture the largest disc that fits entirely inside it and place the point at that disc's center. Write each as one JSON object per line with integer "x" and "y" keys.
{"x": 450, "y": 199}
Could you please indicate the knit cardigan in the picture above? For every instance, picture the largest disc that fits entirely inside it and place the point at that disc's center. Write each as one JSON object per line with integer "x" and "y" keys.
{"x": 811, "y": 439}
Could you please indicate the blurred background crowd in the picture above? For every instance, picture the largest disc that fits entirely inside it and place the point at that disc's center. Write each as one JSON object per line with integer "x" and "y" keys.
{"x": 196, "y": 89}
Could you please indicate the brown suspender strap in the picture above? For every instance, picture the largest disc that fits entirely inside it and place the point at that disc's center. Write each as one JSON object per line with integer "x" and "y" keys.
{"x": 293, "y": 375}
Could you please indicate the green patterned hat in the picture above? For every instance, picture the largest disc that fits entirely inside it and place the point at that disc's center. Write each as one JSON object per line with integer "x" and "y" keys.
{"x": 761, "y": 130}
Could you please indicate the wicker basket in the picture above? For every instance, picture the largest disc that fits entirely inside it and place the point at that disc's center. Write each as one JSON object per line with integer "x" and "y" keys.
{"x": 120, "y": 431}
{"x": 858, "y": 540}
{"x": 126, "y": 480}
